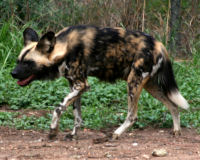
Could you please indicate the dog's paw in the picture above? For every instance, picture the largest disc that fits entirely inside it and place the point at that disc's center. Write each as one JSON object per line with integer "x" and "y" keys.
{"x": 101, "y": 140}
{"x": 71, "y": 137}
{"x": 115, "y": 136}
{"x": 176, "y": 133}
{"x": 52, "y": 134}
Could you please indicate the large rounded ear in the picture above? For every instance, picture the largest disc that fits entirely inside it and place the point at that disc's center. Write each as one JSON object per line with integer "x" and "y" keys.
{"x": 47, "y": 42}
{"x": 30, "y": 36}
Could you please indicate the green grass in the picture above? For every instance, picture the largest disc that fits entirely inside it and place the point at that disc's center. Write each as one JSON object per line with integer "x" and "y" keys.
{"x": 104, "y": 105}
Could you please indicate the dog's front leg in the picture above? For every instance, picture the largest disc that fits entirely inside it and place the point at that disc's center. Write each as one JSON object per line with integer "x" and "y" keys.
{"x": 77, "y": 116}
{"x": 77, "y": 89}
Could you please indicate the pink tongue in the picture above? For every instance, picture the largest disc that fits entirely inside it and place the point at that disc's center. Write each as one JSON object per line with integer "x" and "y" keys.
{"x": 25, "y": 81}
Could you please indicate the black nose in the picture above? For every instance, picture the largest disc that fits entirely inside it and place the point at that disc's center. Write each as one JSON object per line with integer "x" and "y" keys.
{"x": 14, "y": 73}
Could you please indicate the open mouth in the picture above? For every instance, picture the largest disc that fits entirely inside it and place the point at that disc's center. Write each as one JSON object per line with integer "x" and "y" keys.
{"x": 24, "y": 82}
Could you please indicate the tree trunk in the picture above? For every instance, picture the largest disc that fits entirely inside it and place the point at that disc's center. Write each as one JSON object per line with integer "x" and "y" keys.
{"x": 175, "y": 28}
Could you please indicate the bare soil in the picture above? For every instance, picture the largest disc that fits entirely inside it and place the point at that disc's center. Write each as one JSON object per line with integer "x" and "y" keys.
{"x": 137, "y": 144}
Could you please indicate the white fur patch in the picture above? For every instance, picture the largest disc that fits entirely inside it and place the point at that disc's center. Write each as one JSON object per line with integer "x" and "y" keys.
{"x": 157, "y": 66}
{"x": 74, "y": 93}
{"x": 145, "y": 74}
{"x": 123, "y": 127}
{"x": 176, "y": 122}
{"x": 55, "y": 119}
{"x": 178, "y": 99}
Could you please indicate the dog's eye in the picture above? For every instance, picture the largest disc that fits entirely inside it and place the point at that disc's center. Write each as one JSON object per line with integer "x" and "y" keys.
{"x": 28, "y": 63}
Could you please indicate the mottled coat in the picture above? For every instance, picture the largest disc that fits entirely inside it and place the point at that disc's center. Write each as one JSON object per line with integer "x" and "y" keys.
{"x": 109, "y": 54}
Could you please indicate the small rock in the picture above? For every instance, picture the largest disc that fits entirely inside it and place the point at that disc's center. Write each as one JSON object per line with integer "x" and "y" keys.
{"x": 161, "y": 131}
{"x": 110, "y": 145}
{"x": 56, "y": 141}
{"x": 130, "y": 134}
{"x": 134, "y": 144}
{"x": 190, "y": 153}
{"x": 76, "y": 156}
{"x": 75, "y": 148}
{"x": 146, "y": 156}
{"x": 39, "y": 140}
{"x": 108, "y": 155}
{"x": 159, "y": 152}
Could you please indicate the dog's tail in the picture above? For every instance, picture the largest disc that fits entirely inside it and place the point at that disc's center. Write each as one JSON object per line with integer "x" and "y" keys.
{"x": 166, "y": 80}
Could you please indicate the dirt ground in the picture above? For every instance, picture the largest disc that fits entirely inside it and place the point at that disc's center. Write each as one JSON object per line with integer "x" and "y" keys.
{"x": 137, "y": 144}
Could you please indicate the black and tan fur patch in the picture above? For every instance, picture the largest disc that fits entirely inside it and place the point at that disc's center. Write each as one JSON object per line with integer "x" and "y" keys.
{"x": 107, "y": 53}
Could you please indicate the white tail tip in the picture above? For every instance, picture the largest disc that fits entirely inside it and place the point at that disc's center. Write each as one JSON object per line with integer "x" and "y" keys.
{"x": 178, "y": 99}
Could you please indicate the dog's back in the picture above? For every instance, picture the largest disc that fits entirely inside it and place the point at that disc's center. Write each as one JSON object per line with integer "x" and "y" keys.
{"x": 107, "y": 53}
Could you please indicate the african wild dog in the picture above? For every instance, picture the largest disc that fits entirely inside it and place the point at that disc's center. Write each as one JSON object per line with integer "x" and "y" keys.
{"x": 77, "y": 52}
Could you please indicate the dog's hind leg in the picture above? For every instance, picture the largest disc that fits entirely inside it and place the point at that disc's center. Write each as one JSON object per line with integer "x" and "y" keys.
{"x": 157, "y": 93}
{"x": 135, "y": 85}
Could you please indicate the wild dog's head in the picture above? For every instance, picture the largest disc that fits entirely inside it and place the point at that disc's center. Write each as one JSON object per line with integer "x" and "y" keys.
{"x": 33, "y": 62}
